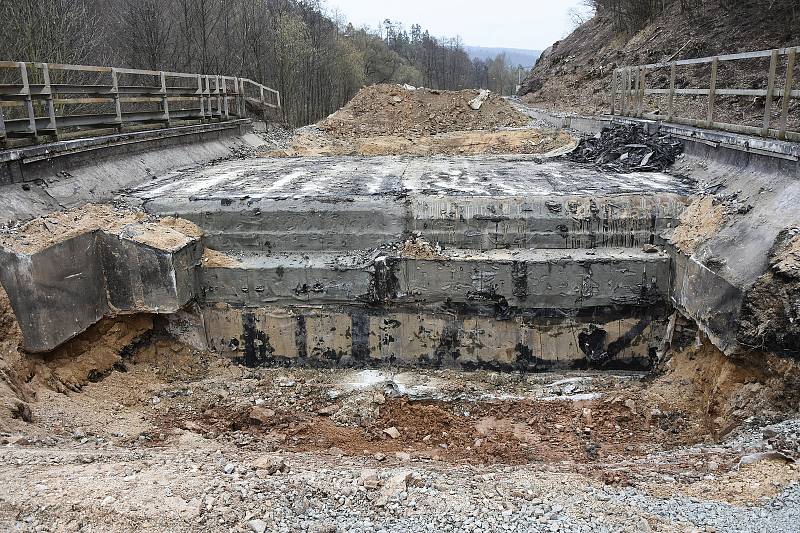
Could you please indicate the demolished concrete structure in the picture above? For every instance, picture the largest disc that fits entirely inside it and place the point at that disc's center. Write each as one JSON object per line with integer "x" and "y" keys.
{"x": 522, "y": 261}
{"x": 325, "y": 261}
{"x": 68, "y": 271}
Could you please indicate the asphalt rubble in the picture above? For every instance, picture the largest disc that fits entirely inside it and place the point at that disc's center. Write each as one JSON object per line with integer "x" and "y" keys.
{"x": 628, "y": 148}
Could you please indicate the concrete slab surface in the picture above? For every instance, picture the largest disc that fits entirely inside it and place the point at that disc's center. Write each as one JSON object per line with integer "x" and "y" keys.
{"x": 314, "y": 177}
{"x": 351, "y": 203}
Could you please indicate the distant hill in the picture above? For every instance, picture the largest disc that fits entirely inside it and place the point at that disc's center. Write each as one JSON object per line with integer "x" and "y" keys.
{"x": 516, "y": 56}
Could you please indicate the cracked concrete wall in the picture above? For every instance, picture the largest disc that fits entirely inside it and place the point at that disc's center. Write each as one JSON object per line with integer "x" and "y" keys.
{"x": 572, "y": 221}
{"x": 538, "y": 279}
{"x": 716, "y": 277}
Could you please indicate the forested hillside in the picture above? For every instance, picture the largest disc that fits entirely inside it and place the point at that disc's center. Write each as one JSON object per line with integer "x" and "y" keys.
{"x": 575, "y": 73}
{"x": 317, "y": 61}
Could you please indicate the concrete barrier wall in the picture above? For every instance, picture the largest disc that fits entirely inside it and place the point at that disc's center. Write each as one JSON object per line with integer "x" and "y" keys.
{"x": 38, "y": 180}
{"x": 353, "y": 337}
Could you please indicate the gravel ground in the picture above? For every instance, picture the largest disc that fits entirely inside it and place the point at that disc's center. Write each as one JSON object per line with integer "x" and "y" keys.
{"x": 109, "y": 489}
{"x": 94, "y": 462}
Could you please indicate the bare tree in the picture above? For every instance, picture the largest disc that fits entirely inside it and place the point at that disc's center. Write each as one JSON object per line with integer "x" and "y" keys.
{"x": 146, "y": 33}
{"x": 60, "y": 31}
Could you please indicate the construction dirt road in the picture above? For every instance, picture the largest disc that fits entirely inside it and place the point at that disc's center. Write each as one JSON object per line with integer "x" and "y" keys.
{"x": 361, "y": 326}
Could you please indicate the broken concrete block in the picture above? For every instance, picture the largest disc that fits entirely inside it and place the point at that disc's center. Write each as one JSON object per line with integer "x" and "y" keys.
{"x": 478, "y": 101}
{"x": 56, "y": 291}
{"x": 149, "y": 268}
{"x": 64, "y": 273}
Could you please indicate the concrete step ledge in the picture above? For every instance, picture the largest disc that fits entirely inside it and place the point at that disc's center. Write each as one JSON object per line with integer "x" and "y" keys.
{"x": 525, "y": 279}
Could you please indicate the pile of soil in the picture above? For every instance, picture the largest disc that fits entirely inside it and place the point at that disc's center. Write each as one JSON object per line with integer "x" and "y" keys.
{"x": 14, "y": 392}
{"x": 702, "y": 220}
{"x": 166, "y": 233}
{"x": 393, "y": 110}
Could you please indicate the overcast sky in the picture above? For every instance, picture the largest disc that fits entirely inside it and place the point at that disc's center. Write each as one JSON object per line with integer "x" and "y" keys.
{"x": 531, "y": 24}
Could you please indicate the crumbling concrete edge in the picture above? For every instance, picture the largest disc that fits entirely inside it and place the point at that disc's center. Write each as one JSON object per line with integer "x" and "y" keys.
{"x": 61, "y": 291}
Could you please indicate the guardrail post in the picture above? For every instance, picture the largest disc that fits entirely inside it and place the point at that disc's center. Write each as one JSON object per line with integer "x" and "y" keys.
{"x": 787, "y": 94}
{"x": 210, "y": 97}
{"x": 671, "y": 112}
{"x": 115, "y": 96}
{"x": 628, "y": 89}
{"x": 225, "y": 98}
{"x": 773, "y": 67}
{"x": 219, "y": 98}
{"x": 613, "y": 91}
{"x": 642, "y": 82}
{"x": 712, "y": 92}
{"x": 238, "y": 98}
{"x": 200, "y": 97}
{"x": 164, "y": 100}
{"x": 278, "y": 99}
{"x": 26, "y": 90}
{"x": 207, "y": 97}
{"x": 3, "y": 134}
{"x": 243, "y": 97}
{"x": 51, "y": 110}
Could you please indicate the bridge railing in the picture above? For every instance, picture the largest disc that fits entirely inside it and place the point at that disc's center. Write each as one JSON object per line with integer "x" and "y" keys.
{"x": 48, "y": 99}
{"x": 642, "y": 90}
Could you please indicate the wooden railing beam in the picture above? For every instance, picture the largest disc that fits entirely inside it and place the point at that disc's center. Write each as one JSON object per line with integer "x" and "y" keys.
{"x": 631, "y": 85}
{"x": 213, "y": 103}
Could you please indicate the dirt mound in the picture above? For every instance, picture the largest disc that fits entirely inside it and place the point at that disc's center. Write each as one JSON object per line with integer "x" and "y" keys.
{"x": 499, "y": 431}
{"x": 38, "y": 234}
{"x": 701, "y": 221}
{"x": 392, "y": 120}
{"x": 88, "y": 358}
{"x": 14, "y": 392}
{"x": 720, "y": 392}
{"x": 393, "y": 110}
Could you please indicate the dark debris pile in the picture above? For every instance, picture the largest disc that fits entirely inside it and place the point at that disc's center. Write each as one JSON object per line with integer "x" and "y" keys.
{"x": 628, "y": 148}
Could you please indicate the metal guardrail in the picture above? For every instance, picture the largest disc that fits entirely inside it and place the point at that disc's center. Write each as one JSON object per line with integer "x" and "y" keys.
{"x": 629, "y": 87}
{"x": 131, "y": 96}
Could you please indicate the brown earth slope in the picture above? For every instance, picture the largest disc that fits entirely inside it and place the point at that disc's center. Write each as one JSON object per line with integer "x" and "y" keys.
{"x": 574, "y": 75}
{"x": 393, "y": 120}
{"x": 391, "y": 109}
